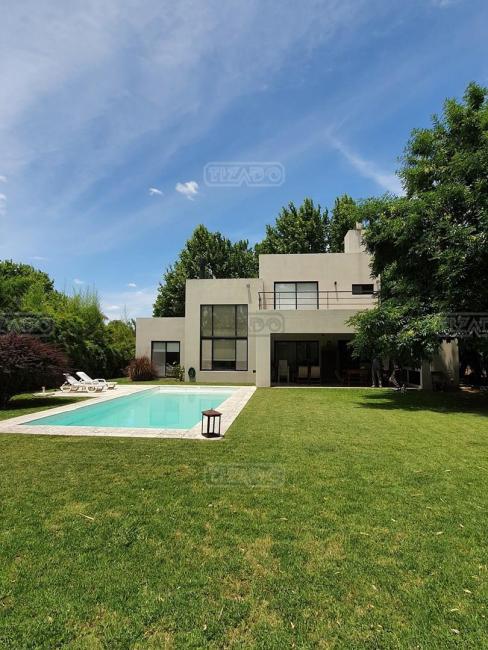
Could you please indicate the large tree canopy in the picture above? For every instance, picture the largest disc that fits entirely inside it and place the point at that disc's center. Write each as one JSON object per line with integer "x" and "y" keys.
{"x": 206, "y": 255}
{"x": 343, "y": 218}
{"x": 16, "y": 280}
{"x": 297, "y": 230}
{"x": 431, "y": 246}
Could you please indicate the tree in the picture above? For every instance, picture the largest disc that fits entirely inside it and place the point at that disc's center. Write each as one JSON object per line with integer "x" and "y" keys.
{"x": 297, "y": 230}
{"x": 343, "y": 218}
{"x": 29, "y": 304}
{"x": 27, "y": 364}
{"x": 16, "y": 280}
{"x": 431, "y": 246}
{"x": 121, "y": 337}
{"x": 205, "y": 255}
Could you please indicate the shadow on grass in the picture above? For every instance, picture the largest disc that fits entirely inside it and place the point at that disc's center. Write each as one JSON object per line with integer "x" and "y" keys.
{"x": 29, "y": 404}
{"x": 455, "y": 402}
{"x": 38, "y": 402}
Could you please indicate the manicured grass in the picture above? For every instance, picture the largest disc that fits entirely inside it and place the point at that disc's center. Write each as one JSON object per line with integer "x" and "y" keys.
{"x": 25, "y": 404}
{"x": 327, "y": 518}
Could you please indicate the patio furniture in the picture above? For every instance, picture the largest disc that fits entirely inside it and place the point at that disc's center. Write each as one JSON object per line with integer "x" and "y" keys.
{"x": 353, "y": 375}
{"x": 72, "y": 385}
{"x": 210, "y": 418}
{"x": 302, "y": 374}
{"x": 315, "y": 374}
{"x": 106, "y": 385}
{"x": 283, "y": 370}
{"x": 339, "y": 377}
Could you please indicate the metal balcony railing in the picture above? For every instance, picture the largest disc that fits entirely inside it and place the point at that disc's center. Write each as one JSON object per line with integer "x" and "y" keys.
{"x": 313, "y": 300}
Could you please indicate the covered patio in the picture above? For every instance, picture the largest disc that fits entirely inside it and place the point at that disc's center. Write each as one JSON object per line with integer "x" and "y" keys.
{"x": 320, "y": 359}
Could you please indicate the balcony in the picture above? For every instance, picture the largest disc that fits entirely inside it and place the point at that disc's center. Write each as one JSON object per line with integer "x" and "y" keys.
{"x": 314, "y": 300}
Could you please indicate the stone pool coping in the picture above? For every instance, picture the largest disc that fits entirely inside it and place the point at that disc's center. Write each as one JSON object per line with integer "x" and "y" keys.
{"x": 230, "y": 409}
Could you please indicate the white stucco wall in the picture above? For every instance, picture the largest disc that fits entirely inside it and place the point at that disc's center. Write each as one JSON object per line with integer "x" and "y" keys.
{"x": 159, "y": 329}
{"x": 333, "y": 271}
{"x": 353, "y": 241}
{"x": 446, "y": 360}
{"x": 219, "y": 292}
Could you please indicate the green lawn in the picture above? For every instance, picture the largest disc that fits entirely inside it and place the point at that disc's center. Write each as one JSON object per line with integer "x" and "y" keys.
{"x": 25, "y": 404}
{"x": 327, "y": 518}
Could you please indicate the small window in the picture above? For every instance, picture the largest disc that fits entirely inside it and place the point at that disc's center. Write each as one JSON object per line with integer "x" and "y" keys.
{"x": 362, "y": 289}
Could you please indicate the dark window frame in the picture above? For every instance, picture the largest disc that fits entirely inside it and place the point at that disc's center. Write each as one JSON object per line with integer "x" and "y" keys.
{"x": 236, "y": 337}
{"x": 166, "y": 352}
{"x": 296, "y": 283}
{"x": 362, "y": 292}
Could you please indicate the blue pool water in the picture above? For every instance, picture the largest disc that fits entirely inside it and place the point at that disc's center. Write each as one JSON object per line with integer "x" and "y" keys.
{"x": 156, "y": 409}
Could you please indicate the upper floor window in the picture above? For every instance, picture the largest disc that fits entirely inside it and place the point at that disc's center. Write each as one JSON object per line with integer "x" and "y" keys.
{"x": 296, "y": 295}
{"x": 362, "y": 289}
{"x": 223, "y": 337}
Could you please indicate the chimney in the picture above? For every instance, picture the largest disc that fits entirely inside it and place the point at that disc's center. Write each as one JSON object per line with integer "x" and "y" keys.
{"x": 353, "y": 241}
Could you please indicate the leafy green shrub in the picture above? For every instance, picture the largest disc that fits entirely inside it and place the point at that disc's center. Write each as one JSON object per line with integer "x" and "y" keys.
{"x": 26, "y": 364}
{"x": 141, "y": 369}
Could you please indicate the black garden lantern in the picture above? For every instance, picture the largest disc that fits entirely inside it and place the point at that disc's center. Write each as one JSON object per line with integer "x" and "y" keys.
{"x": 210, "y": 419}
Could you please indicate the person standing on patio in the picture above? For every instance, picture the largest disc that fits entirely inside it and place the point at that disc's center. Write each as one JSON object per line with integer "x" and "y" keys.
{"x": 377, "y": 372}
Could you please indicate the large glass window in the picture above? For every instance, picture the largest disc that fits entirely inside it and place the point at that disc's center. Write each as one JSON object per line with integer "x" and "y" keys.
{"x": 165, "y": 355}
{"x": 223, "y": 336}
{"x": 296, "y": 295}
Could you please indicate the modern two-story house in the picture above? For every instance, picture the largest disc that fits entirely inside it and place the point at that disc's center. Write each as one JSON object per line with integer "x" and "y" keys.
{"x": 289, "y": 325}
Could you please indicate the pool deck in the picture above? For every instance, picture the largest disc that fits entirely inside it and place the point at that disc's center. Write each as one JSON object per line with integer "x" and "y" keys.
{"x": 230, "y": 409}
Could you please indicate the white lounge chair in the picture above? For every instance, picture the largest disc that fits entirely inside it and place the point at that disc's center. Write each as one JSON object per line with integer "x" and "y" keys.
{"x": 72, "y": 385}
{"x": 107, "y": 385}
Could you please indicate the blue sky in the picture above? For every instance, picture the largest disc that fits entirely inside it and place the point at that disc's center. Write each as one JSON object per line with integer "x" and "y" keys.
{"x": 102, "y": 100}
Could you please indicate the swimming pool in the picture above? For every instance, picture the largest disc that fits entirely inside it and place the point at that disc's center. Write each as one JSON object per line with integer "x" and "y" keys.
{"x": 152, "y": 409}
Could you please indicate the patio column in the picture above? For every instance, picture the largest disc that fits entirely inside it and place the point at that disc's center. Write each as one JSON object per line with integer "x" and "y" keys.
{"x": 263, "y": 360}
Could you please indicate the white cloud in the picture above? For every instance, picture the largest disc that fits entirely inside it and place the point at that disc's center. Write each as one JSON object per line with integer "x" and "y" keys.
{"x": 133, "y": 285}
{"x": 39, "y": 258}
{"x": 444, "y": 3}
{"x": 130, "y": 304}
{"x": 153, "y": 191}
{"x": 386, "y": 180}
{"x": 188, "y": 189}
{"x": 3, "y": 179}
{"x": 134, "y": 77}
{"x": 3, "y": 204}
{"x": 78, "y": 281}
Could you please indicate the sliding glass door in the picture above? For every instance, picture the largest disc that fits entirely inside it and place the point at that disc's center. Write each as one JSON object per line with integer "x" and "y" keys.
{"x": 296, "y": 354}
{"x": 165, "y": 355}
